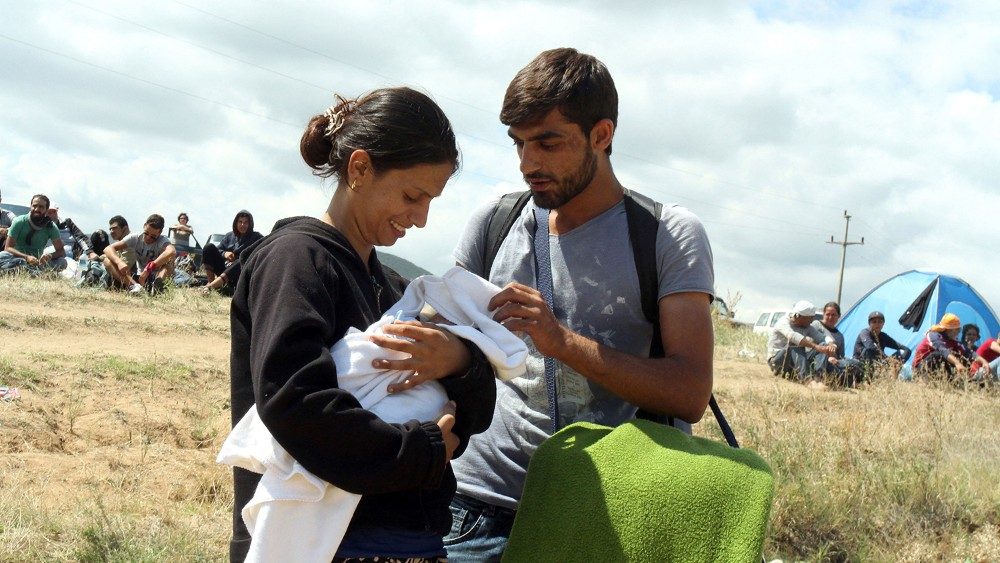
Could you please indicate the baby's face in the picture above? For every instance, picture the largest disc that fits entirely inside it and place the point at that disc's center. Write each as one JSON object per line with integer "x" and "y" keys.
{"x": 436, "y": 318}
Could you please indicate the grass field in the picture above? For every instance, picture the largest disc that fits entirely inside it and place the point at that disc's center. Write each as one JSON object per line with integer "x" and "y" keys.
{"x": 109, "y": 454}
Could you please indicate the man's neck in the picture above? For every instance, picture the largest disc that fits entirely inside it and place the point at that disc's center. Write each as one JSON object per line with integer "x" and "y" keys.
{"x": 603, "y": 193}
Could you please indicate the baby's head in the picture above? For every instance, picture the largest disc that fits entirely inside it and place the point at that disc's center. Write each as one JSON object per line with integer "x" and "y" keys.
{"x": 429, "y": 315}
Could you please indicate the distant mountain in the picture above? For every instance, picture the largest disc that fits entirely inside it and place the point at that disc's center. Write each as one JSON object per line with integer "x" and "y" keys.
{"x": 404, "y": 267}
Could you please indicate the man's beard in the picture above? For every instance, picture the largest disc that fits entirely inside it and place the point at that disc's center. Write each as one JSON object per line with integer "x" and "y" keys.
{"x": 569, "y": 186}
{"x": 40, "y": 221}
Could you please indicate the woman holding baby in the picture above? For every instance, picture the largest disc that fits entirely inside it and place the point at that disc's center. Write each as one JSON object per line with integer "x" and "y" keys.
{"x": 391, "y": 151}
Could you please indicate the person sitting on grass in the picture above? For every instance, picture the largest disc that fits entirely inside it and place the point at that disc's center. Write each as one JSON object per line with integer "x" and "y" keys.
{"x": 27, "y": 239}
{"x": 990, "y": 351}
{"x": 870, "y": 345}
{"x": 847, "y": 370}
{"x": 153, "y": 253}
{"x": 939, "y": 349}
{"x": 6, "y": 218}
{"x": 799, "y": 345}
{"x": 219, "y": 260}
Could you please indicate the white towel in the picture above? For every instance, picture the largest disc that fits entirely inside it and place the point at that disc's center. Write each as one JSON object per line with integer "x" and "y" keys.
{"x": 296, "y": 516}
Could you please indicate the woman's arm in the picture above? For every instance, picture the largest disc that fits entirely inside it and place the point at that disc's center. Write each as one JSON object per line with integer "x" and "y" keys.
{"x": 293, "y": 294}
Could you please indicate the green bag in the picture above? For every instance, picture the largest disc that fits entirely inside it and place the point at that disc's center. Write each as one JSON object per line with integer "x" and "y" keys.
{"x": 641, "y": 492}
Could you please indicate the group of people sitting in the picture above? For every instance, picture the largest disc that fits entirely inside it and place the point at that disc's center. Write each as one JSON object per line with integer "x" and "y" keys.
{"x": 118, "y": 259}
{"x": 812, "y": 350}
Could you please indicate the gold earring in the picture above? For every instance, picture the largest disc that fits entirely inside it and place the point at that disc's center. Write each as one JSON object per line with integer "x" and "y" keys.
{"x": 352, "y": 185}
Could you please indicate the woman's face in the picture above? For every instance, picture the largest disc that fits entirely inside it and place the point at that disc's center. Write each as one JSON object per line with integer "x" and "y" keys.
{"x": 395, "y": 200}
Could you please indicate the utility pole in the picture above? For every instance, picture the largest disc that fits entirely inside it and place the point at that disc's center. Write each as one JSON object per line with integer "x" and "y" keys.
{"x": 843, "y": 252}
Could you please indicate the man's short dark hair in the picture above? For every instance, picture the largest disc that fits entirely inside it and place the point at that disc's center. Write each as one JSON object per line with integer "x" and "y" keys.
{"x": 118, "y": 219}
{"x": 156, "y": 221}
{"x": 576, "y": 84}
{"x": 44, "y": 198}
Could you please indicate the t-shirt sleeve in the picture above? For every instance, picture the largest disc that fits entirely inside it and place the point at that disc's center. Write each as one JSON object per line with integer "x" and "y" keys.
{"x": 469, "y": 252}
{"x": 53, "y": 232}
{"x": 131, "y": 241}
{"x": 684, "y": 255}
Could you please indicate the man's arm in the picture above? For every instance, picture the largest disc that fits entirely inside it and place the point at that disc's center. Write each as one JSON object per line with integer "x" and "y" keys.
{"x": 678, "y": 384}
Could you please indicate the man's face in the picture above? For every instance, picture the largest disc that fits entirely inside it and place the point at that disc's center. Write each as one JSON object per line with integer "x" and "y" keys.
{"x": 801, "y": 321}
{"x": 971, "y": 336}
{"x": 242, "y": 225}
{"x": 150, "y": 233}
{"x": 830, "y": 316}
{"x": 116, "y": 230}
{"x": 557, "y": 161}
{"x": 876, "y": 324}
{"x": 38, "y": 209}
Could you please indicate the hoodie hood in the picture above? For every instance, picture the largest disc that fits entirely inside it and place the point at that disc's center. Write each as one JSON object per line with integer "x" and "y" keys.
{"x": 326, "y": 235}
{"x": 248, "y": 215}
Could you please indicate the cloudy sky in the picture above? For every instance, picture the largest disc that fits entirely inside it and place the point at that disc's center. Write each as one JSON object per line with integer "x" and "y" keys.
{"x": 768, "y": 119}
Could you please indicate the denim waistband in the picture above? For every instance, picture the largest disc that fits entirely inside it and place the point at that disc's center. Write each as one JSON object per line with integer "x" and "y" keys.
{"x": 485, "y": 508}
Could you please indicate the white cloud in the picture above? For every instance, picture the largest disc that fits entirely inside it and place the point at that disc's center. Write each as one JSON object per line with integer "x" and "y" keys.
{"x": 768, "y": 121}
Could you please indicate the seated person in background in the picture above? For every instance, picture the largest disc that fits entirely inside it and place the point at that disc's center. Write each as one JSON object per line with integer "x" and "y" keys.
{"x": 217, "y": 260}
{"x": 153, "y": 253}
{"x": 869, "y": 347}
{"x": 940, "y": 349}
{"x": 990, "y": 351}
{"x": 847, "y": 370}
{"x": 799, "y": 345}
{"x": 970, "y": 336}
{"x": 27, "y": 238}
{"x": 181, "y": 232}
{"x": 6, "y": 218}
{"x": 81, "y": 242}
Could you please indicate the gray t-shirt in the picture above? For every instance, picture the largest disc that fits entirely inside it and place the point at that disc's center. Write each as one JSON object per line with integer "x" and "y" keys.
{"x": 136, "y": 242}
{"x": 597, "y": 295}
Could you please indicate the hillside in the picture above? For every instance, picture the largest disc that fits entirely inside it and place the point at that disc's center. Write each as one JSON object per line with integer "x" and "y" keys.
{"x": 109, "y": 453}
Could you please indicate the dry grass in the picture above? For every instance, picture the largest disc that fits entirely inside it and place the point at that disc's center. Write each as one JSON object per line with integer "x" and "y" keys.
{"x": 894, "y": 471}
{"x": 109, "y": 455}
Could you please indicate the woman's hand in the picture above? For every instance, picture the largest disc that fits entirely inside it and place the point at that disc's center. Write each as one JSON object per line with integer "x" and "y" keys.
{"x": 434, "y": 352}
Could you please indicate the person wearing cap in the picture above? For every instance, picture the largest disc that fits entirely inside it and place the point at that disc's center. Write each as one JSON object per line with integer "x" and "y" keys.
{"x": 940, "y": 349}
{"x": 870, "y": 345}
{"x": 799, "y": 345}
{"x": 6, "y": 219}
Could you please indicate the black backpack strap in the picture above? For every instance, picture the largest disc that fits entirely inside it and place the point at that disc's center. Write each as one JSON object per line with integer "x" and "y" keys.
{"x": 643, "y": 215}
{"x": 507, "y": 211}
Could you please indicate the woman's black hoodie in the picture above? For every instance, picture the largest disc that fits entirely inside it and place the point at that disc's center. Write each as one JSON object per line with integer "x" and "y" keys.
{"x": 302, "y": 287}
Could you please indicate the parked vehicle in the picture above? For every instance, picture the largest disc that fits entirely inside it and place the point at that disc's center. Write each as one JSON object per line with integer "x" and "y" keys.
{"x": 767, "y": 320}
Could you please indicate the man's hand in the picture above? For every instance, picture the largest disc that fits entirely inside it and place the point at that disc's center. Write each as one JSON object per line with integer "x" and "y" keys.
{"x": 447, "y": 423}
{"x": 31, "y": 260}
{"x": 229, "y": 255}
{"x": 522, "y": 309}
{"x": 434, "y": 352}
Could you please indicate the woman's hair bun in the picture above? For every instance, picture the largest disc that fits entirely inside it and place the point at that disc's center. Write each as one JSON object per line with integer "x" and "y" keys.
{"x": 314, "y": 146}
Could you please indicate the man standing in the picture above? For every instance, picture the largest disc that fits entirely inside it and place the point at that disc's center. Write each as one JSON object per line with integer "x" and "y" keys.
{"x": 590, "y": 341}
{"x": 799, "y": 345}
{"x": 154, "y": 256}
{"x": 27, "y": 238}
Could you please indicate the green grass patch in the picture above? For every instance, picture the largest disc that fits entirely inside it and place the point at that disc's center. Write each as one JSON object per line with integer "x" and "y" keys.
{"x": 126, "y": 369}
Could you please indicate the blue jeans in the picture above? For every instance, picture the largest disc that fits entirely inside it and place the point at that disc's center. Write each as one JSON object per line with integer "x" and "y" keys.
{"x": 10, "y": 262}
{"x": 479, "y": 530}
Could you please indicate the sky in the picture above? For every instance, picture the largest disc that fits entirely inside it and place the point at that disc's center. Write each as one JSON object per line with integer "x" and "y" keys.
{"x": 769, "y": 120}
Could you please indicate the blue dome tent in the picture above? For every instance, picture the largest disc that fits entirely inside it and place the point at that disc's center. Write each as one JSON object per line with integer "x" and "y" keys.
{"x": 913, "y": 301}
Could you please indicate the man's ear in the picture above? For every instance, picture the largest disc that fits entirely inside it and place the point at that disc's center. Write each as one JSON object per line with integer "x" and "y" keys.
{"x": 601, "y": 135}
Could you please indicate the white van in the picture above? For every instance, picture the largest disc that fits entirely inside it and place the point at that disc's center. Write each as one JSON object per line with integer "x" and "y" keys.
{"x": 766, "y": 320}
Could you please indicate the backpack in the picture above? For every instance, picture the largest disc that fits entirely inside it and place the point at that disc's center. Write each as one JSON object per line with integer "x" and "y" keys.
{"x": 643, "y": 217}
